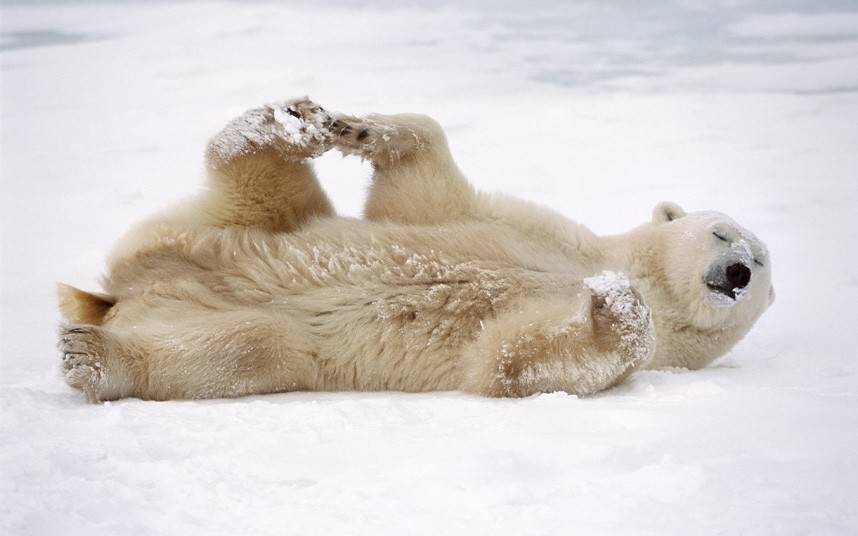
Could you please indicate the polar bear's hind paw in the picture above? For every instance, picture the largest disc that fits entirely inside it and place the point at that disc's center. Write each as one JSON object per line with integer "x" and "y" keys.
{"x": 82, "y": 351}
{"x": 88, "y": 364}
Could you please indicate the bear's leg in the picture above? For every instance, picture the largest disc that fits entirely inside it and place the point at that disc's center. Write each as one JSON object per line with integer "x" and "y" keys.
{"x": 415, "y": 179}
{"x": 189, "y": 354}
{"x": 551, "y": 344}
{"x": 259, "y": 174}
{"x": 417, "y": 182}
{"x": 98, "y": 363}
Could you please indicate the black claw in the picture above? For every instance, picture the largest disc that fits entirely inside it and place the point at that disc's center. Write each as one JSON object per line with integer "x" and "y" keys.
{"x": 293, "y": 113}
{"x": 363, "y": 134}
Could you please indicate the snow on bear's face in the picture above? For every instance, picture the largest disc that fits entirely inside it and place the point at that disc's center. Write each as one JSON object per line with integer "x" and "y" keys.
{"x": 716, "y": 268}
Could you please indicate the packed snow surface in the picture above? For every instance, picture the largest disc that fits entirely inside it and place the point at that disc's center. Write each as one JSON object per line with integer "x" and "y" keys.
{"x": 598, "y": 110}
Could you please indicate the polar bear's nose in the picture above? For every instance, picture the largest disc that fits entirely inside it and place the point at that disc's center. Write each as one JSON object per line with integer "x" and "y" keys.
{"x": 738, "y": 275}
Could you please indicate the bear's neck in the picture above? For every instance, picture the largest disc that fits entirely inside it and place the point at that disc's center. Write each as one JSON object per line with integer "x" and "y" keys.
{"x": 633, "y": 253}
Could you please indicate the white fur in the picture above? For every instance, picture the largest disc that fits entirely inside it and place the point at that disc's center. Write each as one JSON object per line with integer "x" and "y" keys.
{"x": 258, "y": 287}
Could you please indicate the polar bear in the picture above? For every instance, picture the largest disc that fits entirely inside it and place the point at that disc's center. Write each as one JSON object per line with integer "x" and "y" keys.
{"x": 258, "y": 287}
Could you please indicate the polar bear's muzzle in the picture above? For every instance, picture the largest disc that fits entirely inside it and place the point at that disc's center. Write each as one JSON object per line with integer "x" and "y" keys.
{"x": 729, "y": 280}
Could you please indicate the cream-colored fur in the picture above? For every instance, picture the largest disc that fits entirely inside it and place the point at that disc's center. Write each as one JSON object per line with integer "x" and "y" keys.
{"x": 257, "y": 287}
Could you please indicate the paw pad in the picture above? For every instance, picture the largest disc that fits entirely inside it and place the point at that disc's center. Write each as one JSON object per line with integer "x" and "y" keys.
{"x": 82, "y": 352}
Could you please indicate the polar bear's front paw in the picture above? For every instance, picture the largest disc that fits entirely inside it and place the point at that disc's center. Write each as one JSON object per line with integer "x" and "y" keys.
{"x": 373, "y": 138}
{"x": 358, "y": 136}
{"x": 622, "y": 322}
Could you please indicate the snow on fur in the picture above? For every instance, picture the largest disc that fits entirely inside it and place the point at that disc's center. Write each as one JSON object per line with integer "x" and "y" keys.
{"x": 268, "y": 126}
{"x": 635, "y": 317}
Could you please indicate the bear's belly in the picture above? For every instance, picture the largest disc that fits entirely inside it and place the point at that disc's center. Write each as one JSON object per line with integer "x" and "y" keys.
{"x": 397, "y": 337}
{"x": 376, "y": 314}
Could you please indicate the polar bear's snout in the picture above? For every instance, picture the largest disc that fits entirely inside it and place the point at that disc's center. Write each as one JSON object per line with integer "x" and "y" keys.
{"x": 738, "y": 275}
{"x": 729, "y": 279}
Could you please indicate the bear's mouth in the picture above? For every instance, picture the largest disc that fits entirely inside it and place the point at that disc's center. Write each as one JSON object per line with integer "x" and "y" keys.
{"x": 721, "y": 289}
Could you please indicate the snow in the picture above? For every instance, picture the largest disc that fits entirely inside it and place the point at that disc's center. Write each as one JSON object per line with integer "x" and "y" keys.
{"x": 596, "y": 109}
{"x": 795, "y": 25}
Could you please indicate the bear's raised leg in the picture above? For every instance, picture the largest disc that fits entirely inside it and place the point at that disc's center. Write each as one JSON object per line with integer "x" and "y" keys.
{"x": 189, "y": 354}
{"x": 259, "y": 173}
{"x": 417, "y": 182}
{"x": 415, "y": 179}
{"x": 550, "y": 345}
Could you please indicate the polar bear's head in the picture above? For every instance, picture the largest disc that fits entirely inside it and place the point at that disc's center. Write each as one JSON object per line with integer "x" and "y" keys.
{"x": 714, "y": 274}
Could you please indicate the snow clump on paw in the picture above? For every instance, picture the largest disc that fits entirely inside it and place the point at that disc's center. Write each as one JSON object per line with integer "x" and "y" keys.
{"x": 302, "y": 122}
{"x": 298, "y": 129}
{"x": 633, "y": 318}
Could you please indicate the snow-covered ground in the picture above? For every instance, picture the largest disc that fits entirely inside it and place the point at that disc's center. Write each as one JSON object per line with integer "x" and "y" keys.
{"x": 597, "y": 109}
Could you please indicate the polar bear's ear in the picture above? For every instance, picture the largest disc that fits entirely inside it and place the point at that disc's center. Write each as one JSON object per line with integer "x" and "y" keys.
{"x": 666, "y": 211}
